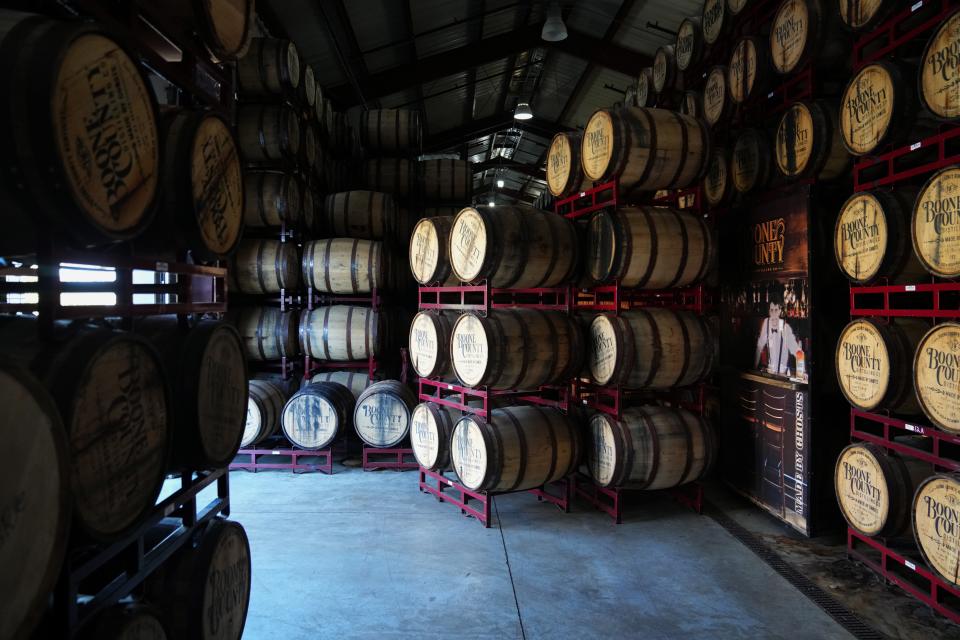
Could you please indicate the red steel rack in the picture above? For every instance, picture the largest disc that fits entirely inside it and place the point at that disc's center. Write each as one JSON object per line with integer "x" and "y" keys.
{"x": 913, "y": 22}
{"x": 924, "y": 156}
{"x": 482, "y": 298}
{"x": 294, "y": 464}
{"x": 397, "y": 459}
{"x": 459, "y": 397}
{"x": 927, "y": 300}
{"x": 614, "y": 298}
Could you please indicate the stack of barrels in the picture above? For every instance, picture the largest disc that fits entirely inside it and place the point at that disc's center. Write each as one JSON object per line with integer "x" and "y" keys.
{"x": 97, "y": 416}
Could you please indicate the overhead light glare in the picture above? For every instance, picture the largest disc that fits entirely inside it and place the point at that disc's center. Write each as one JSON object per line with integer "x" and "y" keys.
{"x": 553, "y": 29}
{"x": 500, "y": 184}
{"x": 522, "y": 111}
{"x": 491, "y": 204}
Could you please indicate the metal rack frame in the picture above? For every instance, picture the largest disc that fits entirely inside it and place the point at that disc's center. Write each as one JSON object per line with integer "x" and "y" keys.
{"x": 927, "y": 155}
{"x": 456, "y": 396}
{"x": 482, "y": 298}
{"x": 294, "y": 465}
{"x": 615, "y": 298}
{"x": 925, "y": 300}
{"x": 395, "y": 458}
{"x": 898, "y": 30}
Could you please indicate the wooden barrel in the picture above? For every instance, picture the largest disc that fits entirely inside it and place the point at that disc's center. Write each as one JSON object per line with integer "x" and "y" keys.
{"x": 649, "y": 247}
{"x": 447, "y": 180}
{"x": 863, "y": 15}
{"x": 875, "y": 489}
{"x": 805, "y": 31}
{"x": 429, "y": 345}
{"x": 564, "y": 170}
{"x": 750, "y": 161}
{"x": 515, "y": 348}
{"x": 648, "y": 149}
{"x": 389, "y": 131}
{"x": 431, "y": 426}
{"x": 35, "y": 498}
{"x": 319, "y": 108}
{"x": 271, "y": 199}
{"x": 344, "y": 265}
{"x": 225, "y": 26}
{"x": 718, "y": 183}
{"x": 646, "y": 96}
{"x": 650, "y": 447}
{"x": 936, "y": 376}
{"x": 936, "y": 221}
{"x": 204, "y": 589}
{"x": 265, "y": 400}
{"x": 716, "y": 97}
{"x": 630, "y": 95}
{"x": 749, "y": 70}
{"x": 309, "y": 208}
{"x": 872, "y": 238}
{"x": 208, "y": 375}
{"x": 369, "y": 215}
{"x": 353, "y": 380}
{"x": 519, "y": 448}
{"x": 308, "y": 147}
{"x": 936, "y": 524}
{"x": 734, "y": 7}
{"x": 314, "y": 416}
{"x": 202, "y": 182}
{"x": 267, "y": 333}
{"x": 691, "y": 104}
{"x": 307, "y": 92}
{"x": 264, "y": 266}
{"x": 396, "y": 176}
{"x": 808, "y": 144}
{"x": 340, "y": 333}
{"x": 382, "y": 414}
{"x": 689, "y": 47}
{"x": 666, "y": 78}
{"x": 268, "y": 134}
{"x": 513, "y": 246}
{"x": 651, "y": 349}
{"x": 429, "y": 262}
{"x": 871, "y": 360}
{"x": 877, "y": 108}
{"x": 79, "y": 134}
{"x": 939, "y": 73}
{"x": 270, "y": 68}
{"x": 126, "y": 622}
{"x": 714, "y": 20}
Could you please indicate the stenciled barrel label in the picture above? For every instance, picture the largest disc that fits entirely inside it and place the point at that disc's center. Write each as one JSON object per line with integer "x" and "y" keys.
{"x": 714, "y": 95}
{"x": 601, "y": 455}
{"x": 468, "y": 453}
{"x": 860, "y": 238}
{"x": 596, "y": 148}
{"x": 643, "y": 89}
{"x": 742, "y": 72}
{"x": 106, "y": 133}
{"x": 424, "y": 436}
{"x": 424, "y": 251}
{"x": 661, "y": 62}
{"x": 863, "y": 364}
{"x": 226, "y": 593}
{"x": 862, "y": 490}
{"x": 745, "y": 162}
{"x": 715, "y": 183}
{"x": 940, "y": 75}
{"x": 736, "y": 6}
{"x": 795, "y": 140}
{"x": 381, "y": 419}
{"x": 425, "y": 345}
{"x": 867, "y": 109}
{"x": 788, "y": 35}
{"x": 936, "y": 371}
{"x": 118, "y": 436}
{"x": 686, "y": 42}
{"x": 469, "y": 349}
{"x": 468, "y": 244}
{"x": 713, "y": 16}
{"x": 936, "y": 223}
{"x": 220, "y": 397}
{"x": 558, "y": 164}
{"x": 936, "y": 525}
{"x": 857, "y": 13}
{"x": 310, "y": 421}
{"x": 603, "y": 349}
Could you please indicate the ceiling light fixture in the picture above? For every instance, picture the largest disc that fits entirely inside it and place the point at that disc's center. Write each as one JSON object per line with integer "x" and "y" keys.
{"x": 491, "y": 204}
{"x": 522, "y": 112}
{"x": 553, "y": 29}
{"x": 500, "y": 184}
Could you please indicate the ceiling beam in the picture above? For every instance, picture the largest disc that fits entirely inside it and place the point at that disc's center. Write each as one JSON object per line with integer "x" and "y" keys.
{"x": 476, "y": 35}
{"x": 412, "y": 58}
{"x": 531, "y": 170}
{"x": 485, "y": 126}
{"x": 336, "y": 19}
{"x": 510, "y": 193}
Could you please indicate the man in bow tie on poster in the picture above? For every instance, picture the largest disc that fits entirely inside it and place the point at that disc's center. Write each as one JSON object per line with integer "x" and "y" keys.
{"x": 776, "y": 340}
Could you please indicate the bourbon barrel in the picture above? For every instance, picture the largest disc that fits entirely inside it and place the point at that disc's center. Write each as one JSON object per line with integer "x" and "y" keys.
{"x": 871, "y": 361}
{"x": 666, "y": 77}
{"x": 875, "y": 489}
{"x": 519, "y": 448}
{"x": 396, "y": 176}
{"x": 936, "y": 223}
{"x": 691, "y": 104}
{"x": 270, "y": 69}
{"x": 716, "y": 96}
{"x": 630, "y": 95}
{"x": 863, "y": 15}
{"x": 369, "y": 215}
{"x": 808, "y": 144}
{"x": 431, "y": 426}
{"x": 340, "y": 333}
{"x": 429, "y": 260}
{"x": 79, "y": 134}
{"x": 564, "y": 170}
{"x": 936, "y": 376}
{"x": 515, "y": 348}
{"x": 649, "y": 247}
{"x": 735, "y": 7}
{"x": 750, "y": 161}
{"x": 271, "y": 199}
{"x": 267, "y": 332}
{"x": 877, "y": 108}
{"x": 714, "y": 20}
{"x": 265, "y": 401}
{"x": 268, "y": 134}
{"x": 805, "y": 31}
{"x": 319, "y": 109}
{"x": 872, "y": 238}
{"x": 646, "y": 96}
{"x": 308, "y": 147}
{"x": 203, "y": 591}
{"x": 314, "y": 416}
{"x": 390, "y": 131}
{"x": 513, "y": 246}
{"x": 264, "y": 266}
{"x": 936, "y": 524}
{"x": 447, "y": 180}
{"x": 647, "y": 149}
{"x": 344, "y": 265}
{"x": 651, "y": 349}
{"x": 650, "y": 447}
{"x": 429, "y": 345}
{"x": 35, "y": 496}
{"x": 356, "y": 381}
{"x": 307, "y": 92}
{"x": 718, "y": 183}
{"x": 689, "y": 47}
{"x": 382, "y": 415}
{"x": 225, "y": 26}
{"x": 126, "y": 622}
{"x": 309, "y": 208}
{"x": 748, "y": 73}
{"x": 940, "y": 72}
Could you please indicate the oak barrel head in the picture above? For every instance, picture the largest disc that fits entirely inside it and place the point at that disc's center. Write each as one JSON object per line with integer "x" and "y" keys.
{"x": 736, "y": 6}
{"x": 217, "y": 186}
{"x": 382, "y": 413}
{"x": 717, "y": 183}
{"x": 469, "y": 452}
{"x": 936, "y": 524}
{"x": 715, "y": 95}
{"x": 430, "y": 428}
{"x": 127, "y": 622}
{"x": 861, "y": 15}
{"x": 597, "y": 146}
{"x": 791, "y": 36}
{"x": 601, "y": 451}
{"x": 228, "y": 26}
{"x": 429, "y": 343}
{"x": 796, "y": 140}
{"x": 689, "y": 45}
{"x": 470, "y": 349}
{"x": 604, "y": 348}
{"x": 863, "y": 364}
{"x": 940, "y": 73}
{"x": 861, "y": 237}
{"x": 936, "y": 375}
{"x": 265, "y": 402}
{"x": 428, "y": 250}
{"x": 645, "y": 92}
{"x": 861, "y": 486}
{"x": 467, "y": 245}
{"x": 936, "y": 223}
{"x": 560, "y": 164}
{"x": 714, "y": 20}
{"x": 311, "y": 417}
{"x": 868, "y": 108}
{"x": 743, "y": 70}
{"x": 749, "y": 161}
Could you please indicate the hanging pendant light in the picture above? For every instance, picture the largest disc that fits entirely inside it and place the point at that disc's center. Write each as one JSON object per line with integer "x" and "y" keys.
{"x": 553, "y": 29}
{"x": 522, "y": 112}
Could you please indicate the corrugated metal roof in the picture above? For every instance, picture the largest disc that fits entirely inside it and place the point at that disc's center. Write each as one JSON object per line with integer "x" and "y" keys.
{"x": 668, "y": 14}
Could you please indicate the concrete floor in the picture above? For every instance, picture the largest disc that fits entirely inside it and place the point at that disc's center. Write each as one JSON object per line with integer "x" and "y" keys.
{"x": 365, "y": 555}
